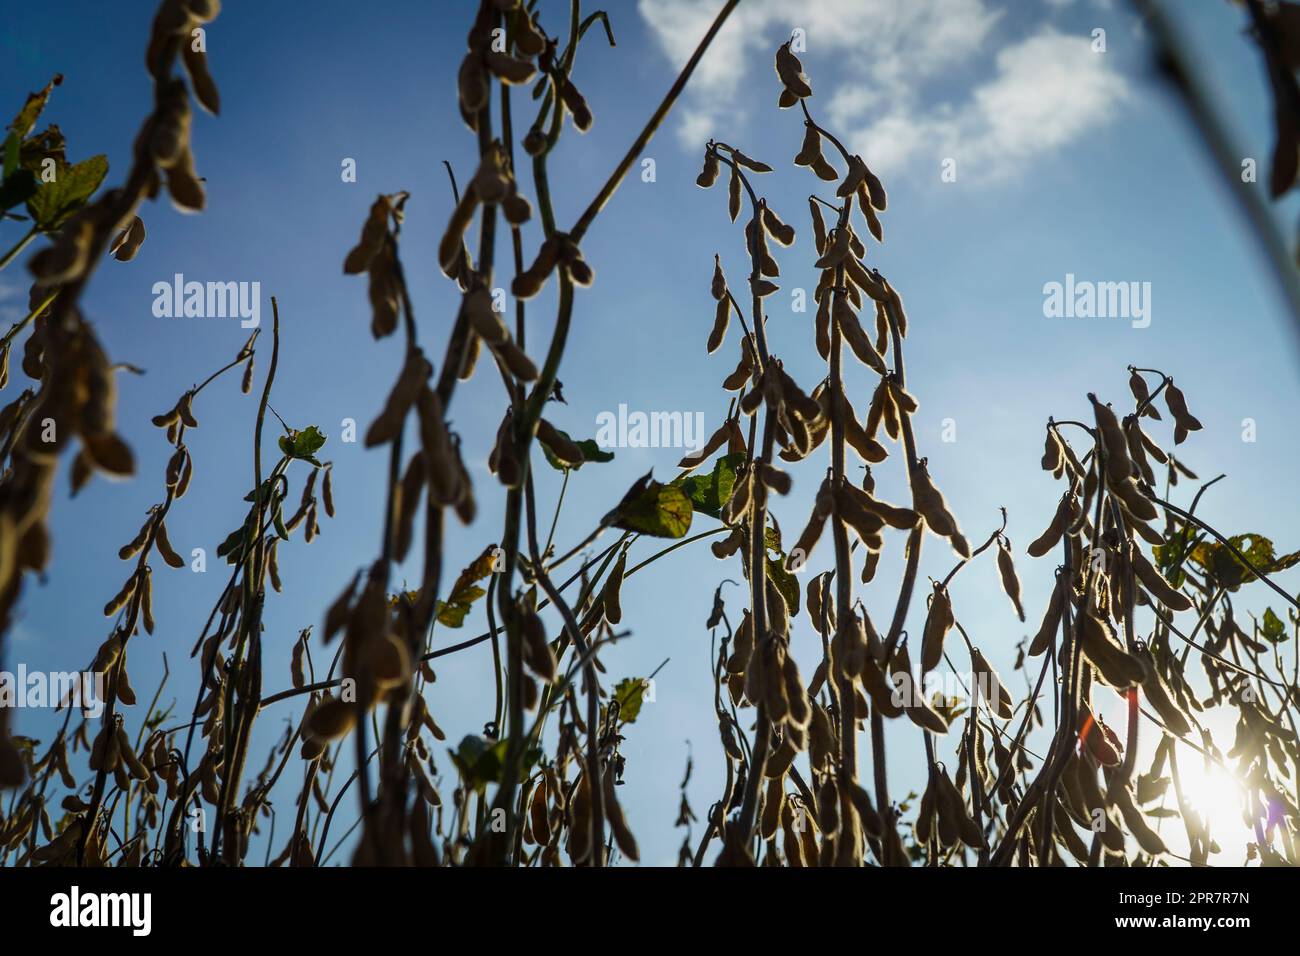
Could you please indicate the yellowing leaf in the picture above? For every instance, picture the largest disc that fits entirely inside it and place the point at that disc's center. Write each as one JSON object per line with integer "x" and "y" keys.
{"x": 31, "y": 111}
{"x": 452, "y": 612}
{"x": 629, "y": 693}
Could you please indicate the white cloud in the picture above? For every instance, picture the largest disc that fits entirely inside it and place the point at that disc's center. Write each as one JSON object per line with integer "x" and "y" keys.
{"x": 695, "y": 126}
{"x": 1048, "y": 90}
{"x": 890, "y": 44}
{"x": 872, "y": 62}
{"x": 848, "y": 103}
{"x": 897, "y": 139}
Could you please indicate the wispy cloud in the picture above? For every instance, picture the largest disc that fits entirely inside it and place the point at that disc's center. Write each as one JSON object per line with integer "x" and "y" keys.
{"x": 874, "y": 63}
{"x": 1047, "y": 91}
{"x": 890, "y": 43}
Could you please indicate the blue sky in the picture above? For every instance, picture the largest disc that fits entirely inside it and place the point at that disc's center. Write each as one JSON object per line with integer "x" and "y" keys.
{"x": 1068, "y": 161}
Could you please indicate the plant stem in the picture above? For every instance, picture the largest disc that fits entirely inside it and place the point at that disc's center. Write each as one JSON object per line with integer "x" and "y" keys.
{"x": 848, "y": 769}
{"x": 22, "y": 324}
{"x": 555, "y": 519}
{"x": 19, "y": 246}
{"x": 584, "y": 221}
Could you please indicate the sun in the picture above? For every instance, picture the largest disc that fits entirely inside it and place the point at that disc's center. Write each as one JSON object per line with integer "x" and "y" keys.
{"x": 1212, "y": 791}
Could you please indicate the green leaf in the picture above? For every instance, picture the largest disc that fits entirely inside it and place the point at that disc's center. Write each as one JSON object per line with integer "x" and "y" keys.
{"x": 452, "y": 613}
{"x": 1282, "y": 563}
{"x": 17, "y": 188}
{"x": 476, "y": 570}
{"x": 661, "y": 511}
{"x": 49, "y": 143}
{"x": 54, "y": 202}
{"x": 629, "y": 693}
{"x": 11, "y": 144}
{"x": 590, "y": 452}
{"x": 480, "y": 761}
{"x": 303, "y": 444}
{"x": 1272, "y": 627}
{"x": 270, "y": 491}
{"x": 269, "y": 496}
{"x": 1227, "y": 570}
{"x": 232, "y": 549}
{"x": 710, "y": 493}
{"x": 772, "y": 538}
{"x": 32, "y": 107}
{"x": 949, "y": 708}
{"x": 1171, "y": 555}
